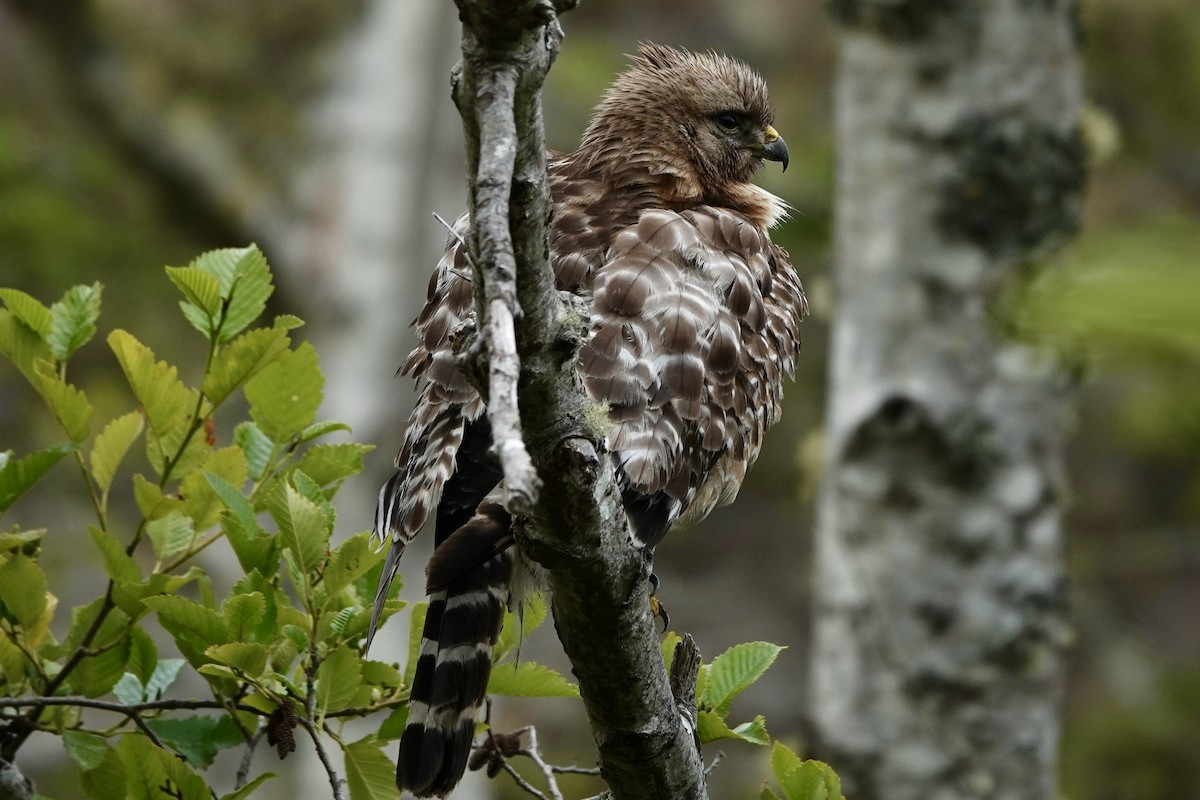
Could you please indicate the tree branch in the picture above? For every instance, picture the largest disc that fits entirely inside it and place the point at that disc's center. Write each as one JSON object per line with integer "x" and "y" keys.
{"x": 128, "y": 709}
{"x": 598, "y": 580}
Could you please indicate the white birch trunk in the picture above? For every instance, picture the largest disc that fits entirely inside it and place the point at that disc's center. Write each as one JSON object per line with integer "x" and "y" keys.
{"x": 389, "y": 157}
{"x": 939, "y": 614}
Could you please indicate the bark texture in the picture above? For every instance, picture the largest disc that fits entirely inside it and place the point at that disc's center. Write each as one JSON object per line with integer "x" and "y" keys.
{"x": 577, "y": 528}
{"x": 940, "y": 607}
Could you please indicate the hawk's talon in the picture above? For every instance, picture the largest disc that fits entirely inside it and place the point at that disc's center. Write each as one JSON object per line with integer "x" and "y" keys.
{"x": 657, "y": 609}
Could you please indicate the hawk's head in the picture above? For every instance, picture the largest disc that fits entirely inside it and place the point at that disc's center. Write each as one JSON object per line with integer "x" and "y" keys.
{"x": 698, "y": 124}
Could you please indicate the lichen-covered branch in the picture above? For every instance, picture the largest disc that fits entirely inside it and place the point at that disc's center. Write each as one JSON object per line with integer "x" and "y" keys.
{"x": 577, "y": 527}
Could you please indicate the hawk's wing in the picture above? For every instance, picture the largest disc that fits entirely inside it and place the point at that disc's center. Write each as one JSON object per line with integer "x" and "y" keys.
{"x": 694, "y": 324}
{"x": 447, "y": 410}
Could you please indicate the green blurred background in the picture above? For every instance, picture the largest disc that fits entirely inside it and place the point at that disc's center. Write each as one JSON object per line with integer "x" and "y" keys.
{"x": 136, "y": 133}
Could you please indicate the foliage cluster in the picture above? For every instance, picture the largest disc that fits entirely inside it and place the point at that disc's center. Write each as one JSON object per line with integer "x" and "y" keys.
{"x": 281, "y": 649}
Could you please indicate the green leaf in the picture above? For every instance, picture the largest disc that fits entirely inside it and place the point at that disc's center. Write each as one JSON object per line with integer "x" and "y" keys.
{"x": 17, "y": 475}
{"x": 319, "y": 429}
{"x": 150, "y": 499}
{"x": 767, "y": 794}
{"x": 203, "y": 297}
{"x": 303, "y": 528}
{"x": 339, "y": 679}
{"x": 669, "y": 642}
{"x": 201, "y": 502}
{"x": 529, "y": 680}
{"x": 811, "y": 780}
{"x": 129, "y": 689}
{"x": 247, "y": 790}
{"x": 733, "y": 671}
{"x": 23, "y": 589}
{"x": 340, "y": 622}
{"x": 145, "y": 771}
{"x": 784, "y": 761}
{"x": 194, "y": 617}
{"x": 393, "y": 726}
{"x": 416, "y": 624}
{"x": 309, "y": 489}
{"x": 73, "y": 320}
{"x": 258, "y": 447}
{"x": 377, "y": 673}
{"x": 352, "y": 559}
{"x": 85, "y": 749}
{"x": 710, "y": 727}
{"x": 285, "y": 395}
{"x": 198, "y": 738}
{"x": 21, "y": 540}
{"x": 754, "y": 731}
{"x": 165, "y": 673}
{"x": 326, "y": 464}
{"x": 245, "y": 282}
{"x": 107, "y": 780}
{"x": 20, "y": 345}
{"x": 297, "y": 636}
{"x": 242, "y": 613}
{"x": 112, "y": 444}
{"x": 97, "y": 674}
{"x": 155, "y": 384}
{"x": 143, "y": 655}
{"x": 248, "y": 658}
{"x": 516, "y": 627}
{"x": 253, "y": 546}
{"x": 267, "y": 626}
{"x": 244, "y": 358}
{"x": 14, "y": 667}
{"x": 370, "y": 775}
{"x": 69, "y": 405}
{"x": 287, "y": 322}
{"x": 171, "y": 535}
{"x": 118, "y": 564}
{"x": 82, "y": 618}
{"x": 29, "y": 310}
{"x": 156, "y": 774}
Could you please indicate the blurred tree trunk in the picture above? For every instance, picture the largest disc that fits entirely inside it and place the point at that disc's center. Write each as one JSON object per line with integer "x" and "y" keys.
{"x": 940, "y": 608}
{"x": 389, "y": 156}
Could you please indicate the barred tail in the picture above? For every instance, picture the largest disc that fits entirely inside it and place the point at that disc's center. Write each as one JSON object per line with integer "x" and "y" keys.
{"x": 466, "y": 610}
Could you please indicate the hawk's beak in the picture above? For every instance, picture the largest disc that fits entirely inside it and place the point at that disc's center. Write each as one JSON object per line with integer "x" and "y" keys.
{"x": 774, "y": 148}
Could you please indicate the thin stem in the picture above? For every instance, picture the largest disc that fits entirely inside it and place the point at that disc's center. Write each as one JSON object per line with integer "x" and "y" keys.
{"x": 524, "y": 784}
{"x": 243, "y": 773}
{"x": 98, "y": 503}
{"x": 571, "y": 769}
{"x": 190, "y": 554}
{"x": 532, "y": 752}
{"x": 338, "y": 785}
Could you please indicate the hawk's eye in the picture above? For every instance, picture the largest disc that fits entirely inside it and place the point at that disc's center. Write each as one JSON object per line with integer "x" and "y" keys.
{"x": 727, "y": 121}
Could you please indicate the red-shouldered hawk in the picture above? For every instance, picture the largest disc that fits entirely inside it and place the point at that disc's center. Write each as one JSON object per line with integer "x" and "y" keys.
{"x": 693, "y": 326}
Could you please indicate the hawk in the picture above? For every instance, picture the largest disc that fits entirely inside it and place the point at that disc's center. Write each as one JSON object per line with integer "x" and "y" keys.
{"x": 693, "y": 325}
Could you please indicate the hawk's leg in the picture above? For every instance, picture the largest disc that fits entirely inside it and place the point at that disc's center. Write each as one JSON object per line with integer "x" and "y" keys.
{"x": 657, "y": 609}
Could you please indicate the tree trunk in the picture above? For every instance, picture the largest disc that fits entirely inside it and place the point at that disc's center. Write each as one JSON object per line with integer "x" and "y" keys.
{"x": 940, "y": 613}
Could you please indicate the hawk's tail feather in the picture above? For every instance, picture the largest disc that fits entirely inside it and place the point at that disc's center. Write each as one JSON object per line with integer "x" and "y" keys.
{"x": 449, "y": 687}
